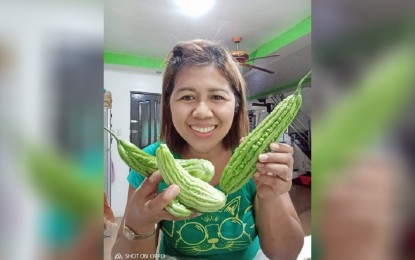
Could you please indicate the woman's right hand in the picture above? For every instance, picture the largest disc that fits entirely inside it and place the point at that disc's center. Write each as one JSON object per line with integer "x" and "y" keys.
{"x": 146, "y": 207}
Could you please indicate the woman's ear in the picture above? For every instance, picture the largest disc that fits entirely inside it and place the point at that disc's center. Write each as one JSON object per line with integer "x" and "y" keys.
{"x": 236, "y": 107}
{"x": 237, "y": 102}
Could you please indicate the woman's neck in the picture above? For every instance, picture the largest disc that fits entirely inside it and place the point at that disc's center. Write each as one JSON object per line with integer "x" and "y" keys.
{"x": 218, "y": 157}
{"x": 212, "y": 155}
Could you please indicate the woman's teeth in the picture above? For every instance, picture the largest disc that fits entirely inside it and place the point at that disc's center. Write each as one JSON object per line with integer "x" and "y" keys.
{"x": 203, "y": 129}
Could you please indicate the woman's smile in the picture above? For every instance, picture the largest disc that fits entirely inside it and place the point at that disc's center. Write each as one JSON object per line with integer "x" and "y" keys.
{"x": 203, "y": 107}
{"x": 203, "y": 131}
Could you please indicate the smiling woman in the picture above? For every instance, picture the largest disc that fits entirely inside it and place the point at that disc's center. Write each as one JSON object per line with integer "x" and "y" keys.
{"x": 207, "y": 80}
{"x": 204, "y": 116}
{"x": 202, "y": 113}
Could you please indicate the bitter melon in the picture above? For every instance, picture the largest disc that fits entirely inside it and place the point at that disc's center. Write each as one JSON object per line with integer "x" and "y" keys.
{"x": 194, "y": 193}
{"x": 242, "y": 164}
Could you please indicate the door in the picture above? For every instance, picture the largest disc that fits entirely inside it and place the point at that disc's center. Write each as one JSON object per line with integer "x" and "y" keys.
{"x": 145, "y": 118}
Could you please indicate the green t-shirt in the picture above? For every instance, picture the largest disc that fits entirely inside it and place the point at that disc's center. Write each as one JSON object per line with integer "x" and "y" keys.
{"x": 229, "y": 233}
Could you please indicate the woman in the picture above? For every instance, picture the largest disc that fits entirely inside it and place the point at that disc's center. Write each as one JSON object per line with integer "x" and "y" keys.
{"x": 204, "y": 116}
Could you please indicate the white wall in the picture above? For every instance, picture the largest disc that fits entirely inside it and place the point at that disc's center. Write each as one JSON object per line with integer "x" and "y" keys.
{"x": 120, "y": 83}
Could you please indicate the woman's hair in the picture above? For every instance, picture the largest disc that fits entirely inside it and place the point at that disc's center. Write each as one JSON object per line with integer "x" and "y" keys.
{"x": 203, "y": 52}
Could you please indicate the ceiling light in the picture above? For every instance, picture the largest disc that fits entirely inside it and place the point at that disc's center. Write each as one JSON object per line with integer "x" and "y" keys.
{"x": 195, "y": 7}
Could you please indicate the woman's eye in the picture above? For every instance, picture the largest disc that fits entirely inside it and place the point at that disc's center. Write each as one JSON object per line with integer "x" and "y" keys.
{"x": 187, "y": 98}
{"x": 216, "y": 97}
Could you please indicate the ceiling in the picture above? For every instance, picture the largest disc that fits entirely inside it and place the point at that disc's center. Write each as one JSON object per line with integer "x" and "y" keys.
{"x": 140, "y": 33}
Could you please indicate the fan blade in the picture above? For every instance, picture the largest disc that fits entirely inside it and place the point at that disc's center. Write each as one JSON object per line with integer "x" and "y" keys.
{"x": 269, "y": 56}
{"x": 258, "y": 68}
{"x": 246, "y": 65}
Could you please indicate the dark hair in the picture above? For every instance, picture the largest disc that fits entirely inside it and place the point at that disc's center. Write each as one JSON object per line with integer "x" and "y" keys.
{"x": 203, "y": 52}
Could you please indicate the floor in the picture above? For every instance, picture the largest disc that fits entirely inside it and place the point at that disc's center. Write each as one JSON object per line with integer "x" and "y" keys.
{"x": 109, "y": 239}
{"x": 300, "y": 196}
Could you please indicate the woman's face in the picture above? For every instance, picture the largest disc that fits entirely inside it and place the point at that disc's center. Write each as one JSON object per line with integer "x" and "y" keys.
{"x": 202, "y": 106}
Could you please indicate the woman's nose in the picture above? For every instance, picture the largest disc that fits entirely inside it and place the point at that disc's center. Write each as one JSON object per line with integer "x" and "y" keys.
{"x": 202, "y": 111}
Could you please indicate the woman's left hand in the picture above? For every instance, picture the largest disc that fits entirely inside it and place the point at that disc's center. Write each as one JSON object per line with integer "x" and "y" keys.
{"x": 274, "y": 171}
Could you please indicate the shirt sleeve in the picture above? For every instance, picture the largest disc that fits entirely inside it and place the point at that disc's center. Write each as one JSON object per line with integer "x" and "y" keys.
{"x": 134, "y": 178}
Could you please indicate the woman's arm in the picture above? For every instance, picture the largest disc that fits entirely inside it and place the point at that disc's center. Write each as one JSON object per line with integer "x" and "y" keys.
{"x": 144, "y": 209}
{"x": 124, "y": 246}
{"x": 279, "y": 228}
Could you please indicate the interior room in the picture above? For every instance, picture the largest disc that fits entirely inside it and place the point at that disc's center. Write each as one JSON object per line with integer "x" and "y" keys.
{"x": 270, "y": 41}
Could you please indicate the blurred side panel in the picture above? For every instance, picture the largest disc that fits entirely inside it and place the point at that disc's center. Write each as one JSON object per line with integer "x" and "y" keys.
{"x": 363, "y": 129}
{"x": 51, "y": 151}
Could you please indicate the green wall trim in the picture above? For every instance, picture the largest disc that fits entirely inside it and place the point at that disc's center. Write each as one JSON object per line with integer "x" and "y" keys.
{"x": 278, "y": 89}
{"x": 131, "y": 60}
{"x": 299, "y": 30}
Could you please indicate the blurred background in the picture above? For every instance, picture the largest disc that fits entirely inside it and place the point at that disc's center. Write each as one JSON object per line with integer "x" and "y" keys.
{"x": 363, "y": 129}
{"x": 51, "y": 140}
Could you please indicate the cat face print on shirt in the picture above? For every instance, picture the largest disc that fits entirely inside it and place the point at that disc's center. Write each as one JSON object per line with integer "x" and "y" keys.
{"x": 231, "y": 228}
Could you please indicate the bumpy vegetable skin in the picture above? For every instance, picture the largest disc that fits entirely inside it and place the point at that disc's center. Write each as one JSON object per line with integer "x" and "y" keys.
{"x": 194, "y": 193}
{"x": 242, "y": 164}
{"x": 145, "y": 164}
{"x": 177, "y": 209}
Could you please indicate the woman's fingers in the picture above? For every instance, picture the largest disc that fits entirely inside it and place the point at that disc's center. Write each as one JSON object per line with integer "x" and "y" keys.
{"x": 272, "y": 180}
{"x": 152, "y": 206}
{"x": 282, "y": 153}
{"x": 274, "y": 158}
{"x": 148, "y": 188}
{"x": 159, "y": 202}
{"x": 282, "y": 148}
{"x": 156, "y": 203}
{"x": 282, "y": 171}
{"x": 278, "y": 163}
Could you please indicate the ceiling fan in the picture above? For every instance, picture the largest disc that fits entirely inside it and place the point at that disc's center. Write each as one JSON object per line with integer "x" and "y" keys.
{"x": 242, "y": 56}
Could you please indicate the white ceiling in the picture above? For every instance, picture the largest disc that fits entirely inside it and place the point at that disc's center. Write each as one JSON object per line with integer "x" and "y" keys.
{"x": 150, "y": 28}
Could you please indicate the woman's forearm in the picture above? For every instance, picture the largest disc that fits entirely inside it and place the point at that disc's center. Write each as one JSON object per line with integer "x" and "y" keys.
{"x": 279, "y": 229}
{"x": 133, "y": 248}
